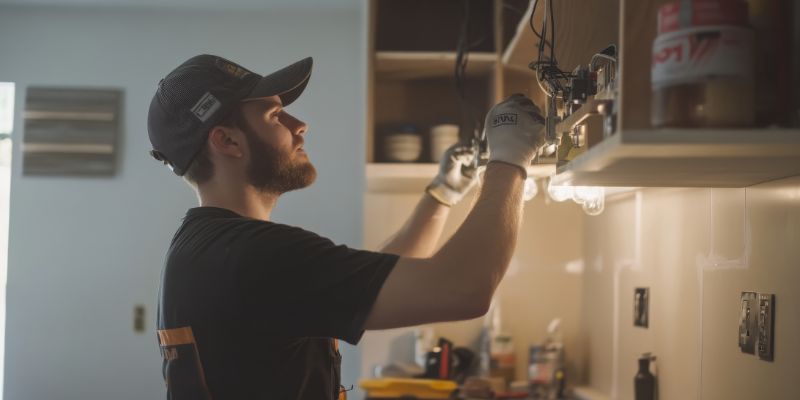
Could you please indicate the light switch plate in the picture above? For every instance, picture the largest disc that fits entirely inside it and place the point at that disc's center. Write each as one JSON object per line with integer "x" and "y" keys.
{"x": 748, "y": 322}
{"x": 641, "y": 307}
{"x": 766, "y": 324}
{"x": 138, "y": 318}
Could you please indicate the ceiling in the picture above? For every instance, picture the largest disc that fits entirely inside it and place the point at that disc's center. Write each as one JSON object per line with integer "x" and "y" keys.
{"x": 200, "y": 4}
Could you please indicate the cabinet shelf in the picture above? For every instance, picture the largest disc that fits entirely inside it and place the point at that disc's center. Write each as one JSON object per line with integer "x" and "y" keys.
{"x": 382, "y": 171}
{"x": 405, "y": 65}
{"x": 687, "y": 158}
{"x": 412, "y": 177}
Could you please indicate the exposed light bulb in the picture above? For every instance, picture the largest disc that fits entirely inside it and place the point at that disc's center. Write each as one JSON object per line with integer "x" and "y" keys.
{"x": 582, "y": 194}
{"x": 558, "y": 193}
{"x": 531, "y": 189}
{"x": 594, "y": 206}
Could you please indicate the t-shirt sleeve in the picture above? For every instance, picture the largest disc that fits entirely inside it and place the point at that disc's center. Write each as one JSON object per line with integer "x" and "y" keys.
{"x": 297, "y": 283}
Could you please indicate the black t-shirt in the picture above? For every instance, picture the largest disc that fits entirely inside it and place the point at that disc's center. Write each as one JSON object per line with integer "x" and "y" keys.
{"x": 250, "y": 309}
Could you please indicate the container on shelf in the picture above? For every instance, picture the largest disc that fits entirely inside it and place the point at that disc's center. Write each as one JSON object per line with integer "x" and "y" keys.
{"x": 442, "y": 137}
{"x": 403, "y": 144}
{"x": 702, "y": 72}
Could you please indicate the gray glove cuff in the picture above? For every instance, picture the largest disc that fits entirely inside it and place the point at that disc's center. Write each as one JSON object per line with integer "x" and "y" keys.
{"x": 443, "y": 193}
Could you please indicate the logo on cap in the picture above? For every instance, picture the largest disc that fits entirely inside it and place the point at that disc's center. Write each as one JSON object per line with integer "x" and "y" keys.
{"x": 231, "y": 68}
{"x": 205, "y": 107}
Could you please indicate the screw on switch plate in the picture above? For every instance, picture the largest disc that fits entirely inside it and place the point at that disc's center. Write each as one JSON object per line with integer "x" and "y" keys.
{"x": 766, "y": 324}
{"x": 747, "y": 322}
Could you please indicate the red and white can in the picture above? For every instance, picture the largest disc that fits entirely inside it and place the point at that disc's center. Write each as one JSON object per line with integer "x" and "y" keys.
{"x": 702, "y": 65}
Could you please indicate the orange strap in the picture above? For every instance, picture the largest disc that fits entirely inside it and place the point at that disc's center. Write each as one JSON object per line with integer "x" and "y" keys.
{"x": 175, "y": 337}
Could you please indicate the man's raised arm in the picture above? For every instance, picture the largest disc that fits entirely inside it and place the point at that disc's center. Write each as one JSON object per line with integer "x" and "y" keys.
{"x": 458, "y": 281}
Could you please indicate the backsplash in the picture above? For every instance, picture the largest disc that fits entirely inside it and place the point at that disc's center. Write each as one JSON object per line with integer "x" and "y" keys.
{"x": 696, "y": 250}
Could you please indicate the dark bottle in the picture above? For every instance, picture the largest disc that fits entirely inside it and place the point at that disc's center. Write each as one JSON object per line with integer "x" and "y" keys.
{"x": 644, "y": 383}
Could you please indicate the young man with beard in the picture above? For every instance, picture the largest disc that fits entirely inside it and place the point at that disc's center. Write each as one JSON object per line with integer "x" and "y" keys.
{"x": 254, "y": 309}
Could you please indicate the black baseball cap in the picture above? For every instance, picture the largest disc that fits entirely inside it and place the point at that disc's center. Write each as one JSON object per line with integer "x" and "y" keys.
{"x": 200, "y": 93}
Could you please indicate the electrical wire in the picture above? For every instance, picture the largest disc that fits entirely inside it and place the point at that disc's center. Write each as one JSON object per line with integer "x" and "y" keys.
{"x": 544, "y": 31}
{"x": 530, "y": 22}
{"x": 548, "y": 75}
{"x": 552, "y": 34}
{"x": 460, "y": 69}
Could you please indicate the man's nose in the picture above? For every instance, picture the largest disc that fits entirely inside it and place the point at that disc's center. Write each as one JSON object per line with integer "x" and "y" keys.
{"x": 302, "y": 128}
{"x": 297, "y": 126}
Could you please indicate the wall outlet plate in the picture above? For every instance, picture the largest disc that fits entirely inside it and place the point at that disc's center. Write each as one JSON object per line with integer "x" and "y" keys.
{"x": 747, "y": 322}
{"x": 138, "y": 318}
{"x": 641, "y": 307}
{"x": 766, "y": 324}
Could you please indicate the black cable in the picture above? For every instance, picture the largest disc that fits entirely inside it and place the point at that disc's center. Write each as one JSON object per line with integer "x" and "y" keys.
{"x": 548, "y": 73}
{"x": 553, "y": 34}
{"x": 544, "y": 31}
{"x": 530, "y": 22}
{"x": 462, "y": 58}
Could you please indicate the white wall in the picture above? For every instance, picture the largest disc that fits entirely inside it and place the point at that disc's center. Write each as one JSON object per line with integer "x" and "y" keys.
{"x": 84, "y": 251}
{"x": 543, "y": 280}
{"x": 697, "y": 250}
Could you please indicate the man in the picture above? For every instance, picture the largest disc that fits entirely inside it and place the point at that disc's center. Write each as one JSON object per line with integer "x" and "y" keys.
{"x": 253, "y": 309}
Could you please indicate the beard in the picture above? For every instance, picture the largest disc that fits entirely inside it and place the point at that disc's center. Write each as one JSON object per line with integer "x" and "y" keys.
{"x": 271, "y": 171}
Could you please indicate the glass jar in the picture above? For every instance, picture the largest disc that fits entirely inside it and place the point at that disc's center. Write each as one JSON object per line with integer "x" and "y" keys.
{"x": 702, "y": 65}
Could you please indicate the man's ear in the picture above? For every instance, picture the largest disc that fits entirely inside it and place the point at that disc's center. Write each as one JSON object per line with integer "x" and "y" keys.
{"x": 226, "y": 141}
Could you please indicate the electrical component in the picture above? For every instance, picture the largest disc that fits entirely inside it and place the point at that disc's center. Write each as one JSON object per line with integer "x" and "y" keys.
{"x": 747, "y": 322}
{"x": 582, "y": 84}
{"x": 604, "y": 66}
{"x": 573, "y": 89}
{"x": 766, "y": 318}
{"x": 641, "y": 306}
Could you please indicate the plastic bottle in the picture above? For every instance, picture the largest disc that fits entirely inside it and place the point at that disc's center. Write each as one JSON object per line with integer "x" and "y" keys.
{"x": 645, "y": 382}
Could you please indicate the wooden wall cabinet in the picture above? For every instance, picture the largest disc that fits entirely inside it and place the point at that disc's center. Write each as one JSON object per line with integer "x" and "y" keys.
{"x": 411, "y": 54}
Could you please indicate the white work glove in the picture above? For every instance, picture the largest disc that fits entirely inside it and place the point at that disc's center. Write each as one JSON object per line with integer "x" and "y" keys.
{"x": 514, "y": 129}
{"x": 457, "y": 175}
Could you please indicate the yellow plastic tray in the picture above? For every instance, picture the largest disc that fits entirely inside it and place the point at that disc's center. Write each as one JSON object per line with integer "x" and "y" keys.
{"x": 400, "y": 387}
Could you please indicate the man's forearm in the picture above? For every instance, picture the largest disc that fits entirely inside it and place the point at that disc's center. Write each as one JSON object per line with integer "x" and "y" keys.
{"x": 480, "y": 251}
{"x": 420, "y": 234}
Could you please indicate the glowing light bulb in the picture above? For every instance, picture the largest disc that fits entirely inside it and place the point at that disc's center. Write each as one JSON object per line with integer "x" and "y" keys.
{"x": 531, "y": 189}
{"x": 583, "y": 194}
{"x": 558, "y": 193}
{"x": 594, "y": 206}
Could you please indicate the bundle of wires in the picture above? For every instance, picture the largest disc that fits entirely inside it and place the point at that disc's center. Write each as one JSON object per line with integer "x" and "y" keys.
{"x": 550, "y": 78}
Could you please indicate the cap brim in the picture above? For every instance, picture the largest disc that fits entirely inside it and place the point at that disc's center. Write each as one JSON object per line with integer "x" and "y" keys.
{"x": 287, "y": 83}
